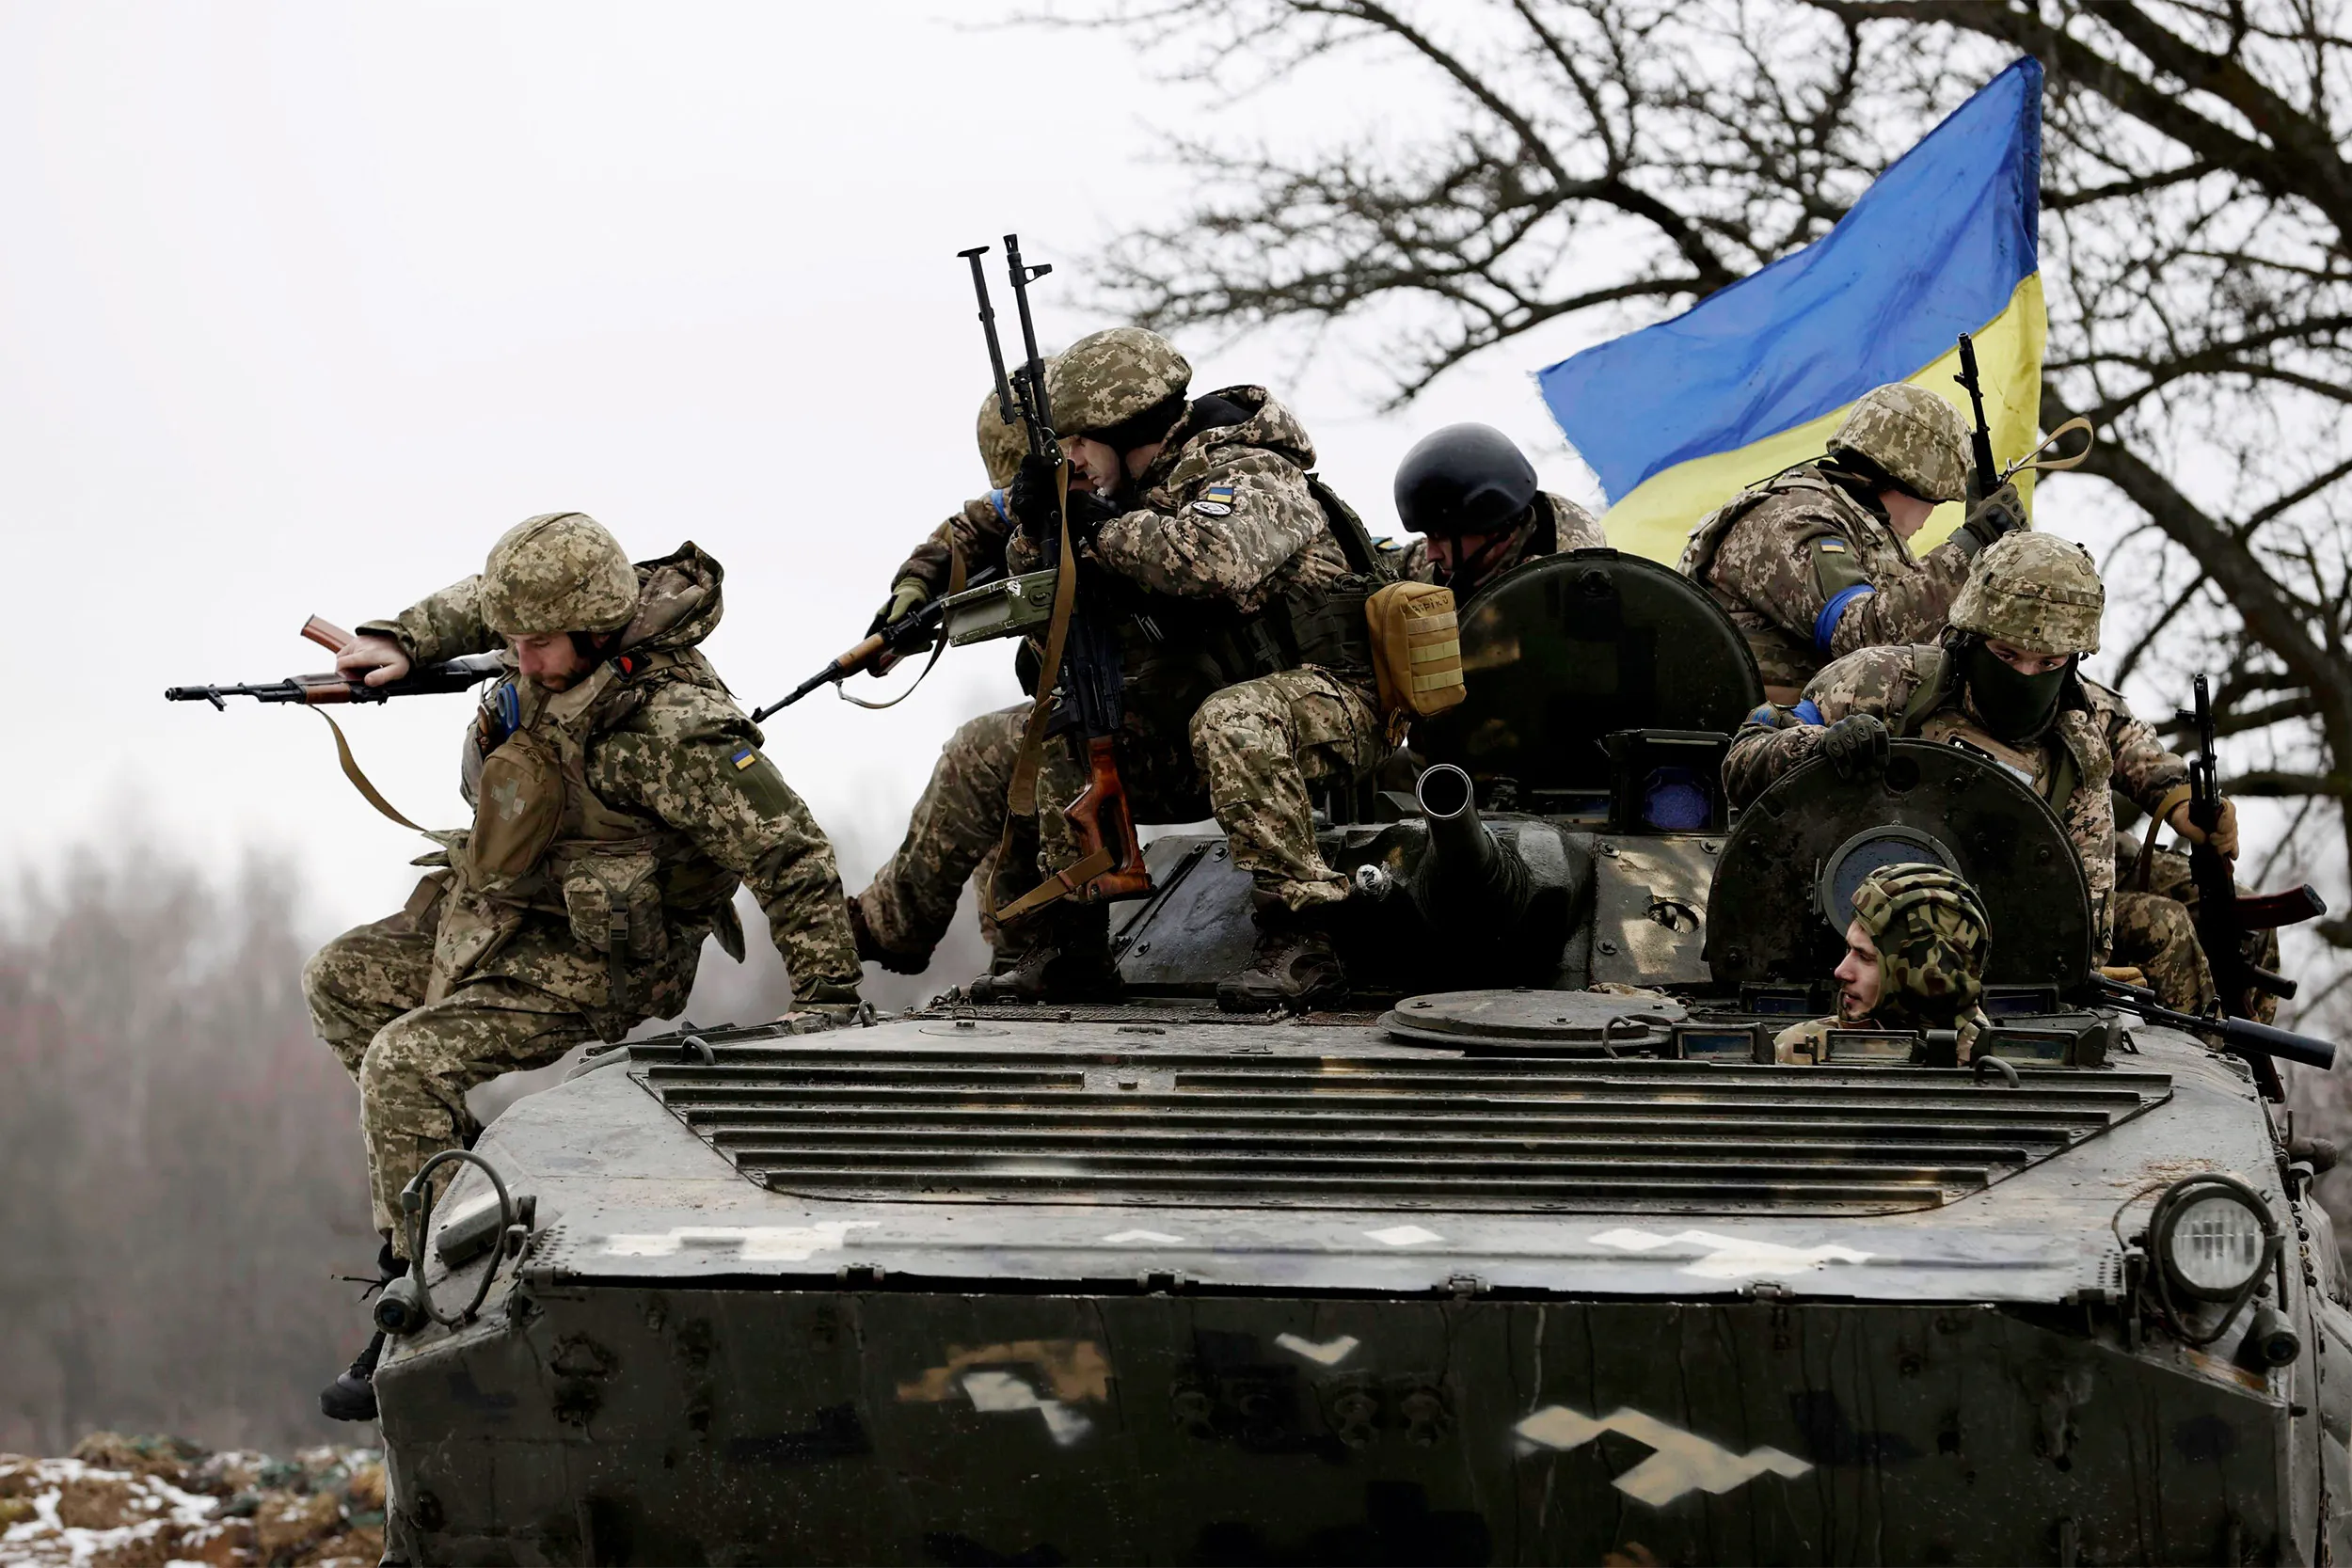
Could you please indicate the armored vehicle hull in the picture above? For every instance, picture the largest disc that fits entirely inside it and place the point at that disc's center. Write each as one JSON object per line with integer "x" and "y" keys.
{"x": 1326, "y": 1297}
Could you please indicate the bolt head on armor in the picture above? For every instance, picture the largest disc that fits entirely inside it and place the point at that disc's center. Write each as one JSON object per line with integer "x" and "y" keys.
{"x": 1913, "y": 436}
{"x": 557, "y": 572}
{"x": 2036, "y": 590}
{"x": 1463, "y": 479}
{"x": 1930, "y": 930}
{"x": 1106, "y": 379}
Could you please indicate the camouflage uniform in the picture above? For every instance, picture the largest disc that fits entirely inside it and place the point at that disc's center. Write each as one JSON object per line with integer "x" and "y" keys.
{"x": 953, "y": 834}
{"x": 2028, "y": 590}
{"x": 2172, "y": 967}
{"x": 1220, "y": 531}
{"x": 1806, "y": 564}
{"x": 613, "y": 822}
{"x": 2094, "y": 743}
{"x": 1558, "y": 525}
{"x": 1932, "y": 937}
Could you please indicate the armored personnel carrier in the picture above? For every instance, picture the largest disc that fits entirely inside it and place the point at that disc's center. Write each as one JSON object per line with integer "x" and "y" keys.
{"x": 1537, "y": 1254}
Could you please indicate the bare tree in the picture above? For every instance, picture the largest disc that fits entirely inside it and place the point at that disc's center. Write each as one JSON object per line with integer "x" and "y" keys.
{"x": 1611, "y": 162}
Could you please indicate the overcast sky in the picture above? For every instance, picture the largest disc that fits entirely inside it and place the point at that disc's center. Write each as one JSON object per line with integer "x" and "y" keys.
{"x": 306, "y": 303}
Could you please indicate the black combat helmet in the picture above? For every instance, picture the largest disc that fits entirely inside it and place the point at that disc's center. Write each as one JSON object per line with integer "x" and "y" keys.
{"x": 1464, "y": 479}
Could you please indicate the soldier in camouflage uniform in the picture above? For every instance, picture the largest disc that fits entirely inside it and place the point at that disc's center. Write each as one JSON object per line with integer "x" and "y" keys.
{"x": 1244, "y": 645}
{"x": 1914, "y": 959}
{"x": 1815, "y": 562}
{"x": 1472, "y": 495}
{"x": 2003, "y": 683}
{"x": 620, "y": 797}
{"x": 961, "y": 818}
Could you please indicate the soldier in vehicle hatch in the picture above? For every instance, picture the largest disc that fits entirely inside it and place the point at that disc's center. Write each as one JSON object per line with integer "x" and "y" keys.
{"x": 2004, "y": 682}
{"x": 961, "y": 818}
{"x": 620, "y": 798}
{"x": 1816, "y": 561}
{"x": 1243, "y": 644}
{"x": 1472, "y": 495}
{"x": 1914, "y": 959}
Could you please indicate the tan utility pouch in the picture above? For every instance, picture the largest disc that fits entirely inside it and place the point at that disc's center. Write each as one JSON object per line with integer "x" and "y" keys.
{"x": 617, "y": 897}
{"x": 1416, "y": 650}
{"x": 518, "y": 812}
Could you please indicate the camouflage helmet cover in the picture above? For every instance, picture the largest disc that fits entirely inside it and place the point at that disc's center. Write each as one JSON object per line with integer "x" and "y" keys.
{"x": 2037, "y": 591}
{"x": 1930, "y": 930}
{"x": 1003, "y": 442}
{"x": 557, "y": 572}
{"x": 1106, "y": 379}
{"x": 1914, "y": 437}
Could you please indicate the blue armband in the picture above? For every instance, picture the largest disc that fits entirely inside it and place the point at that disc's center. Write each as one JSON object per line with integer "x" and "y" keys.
{"x": 1806, "y": 713}
{"x": 1825, "y": 624}
{"x": 996, "y": 499}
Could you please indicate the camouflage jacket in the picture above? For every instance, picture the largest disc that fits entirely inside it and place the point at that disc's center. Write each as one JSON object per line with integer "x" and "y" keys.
{"x": 1223, "y": 516}
{"x": 1559, "y": 525}
{"x": 978, "y": 529}
{"x": 1809, "y": 571}
{"x": 667, "y": 750}
{"x": 2094, "y": 745}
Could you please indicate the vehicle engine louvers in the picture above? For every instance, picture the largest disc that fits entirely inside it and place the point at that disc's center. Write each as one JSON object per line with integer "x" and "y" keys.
{"x": 1093, "y": 1126}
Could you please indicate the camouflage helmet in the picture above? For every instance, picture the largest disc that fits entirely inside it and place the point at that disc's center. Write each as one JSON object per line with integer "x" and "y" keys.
{"x": 1913, "y": 436}
{"x": 2035, "y": 589}
{"x": 1106, "y": 378}
{"x": 1930, "y": 930}
{"x": 557, "y": 572}
{"x": 1003, "y": 442}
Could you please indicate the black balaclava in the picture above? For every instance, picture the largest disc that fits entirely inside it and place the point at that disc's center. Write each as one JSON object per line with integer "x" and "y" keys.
{"x": 2014, "y": 706}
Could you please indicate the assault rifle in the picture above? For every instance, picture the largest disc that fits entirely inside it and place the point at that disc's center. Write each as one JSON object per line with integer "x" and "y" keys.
{"x": 1086, "y": 684}
{"x": 2261, "y": 1042}
{"x": 910, "y": 634}
{"x": 2223, "y": 918}
{"x": 1989, "y": 475}
{"x": 456, "y": 675}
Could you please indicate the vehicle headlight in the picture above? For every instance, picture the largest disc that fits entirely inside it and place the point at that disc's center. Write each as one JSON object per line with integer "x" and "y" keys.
{"x": 2211, "y": 1237}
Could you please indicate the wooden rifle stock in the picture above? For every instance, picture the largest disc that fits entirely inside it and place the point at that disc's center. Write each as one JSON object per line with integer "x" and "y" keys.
{"x": 1101, "y": 820}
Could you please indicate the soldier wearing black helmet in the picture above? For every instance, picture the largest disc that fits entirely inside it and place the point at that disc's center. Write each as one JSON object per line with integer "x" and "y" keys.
{"x": 1472, "y": 495}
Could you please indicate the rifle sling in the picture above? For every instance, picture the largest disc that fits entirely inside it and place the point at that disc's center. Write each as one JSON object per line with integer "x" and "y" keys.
{"x": 2172, "y": 798}
{"x": 1021, "y": 793}
{"x": 938, "y": 639}
{"x": 359, "y": 780}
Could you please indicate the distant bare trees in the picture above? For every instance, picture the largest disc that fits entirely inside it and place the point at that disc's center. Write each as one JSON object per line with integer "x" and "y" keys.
{"x": 1518, "y": 162}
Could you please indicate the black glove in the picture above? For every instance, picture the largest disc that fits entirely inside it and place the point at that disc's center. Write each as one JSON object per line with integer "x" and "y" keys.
{"x": 1088, "y": 511}
{"x": 2000, "y": 512}
{"x": 1030, "y": 497}
{"x": 1855, "y": 745}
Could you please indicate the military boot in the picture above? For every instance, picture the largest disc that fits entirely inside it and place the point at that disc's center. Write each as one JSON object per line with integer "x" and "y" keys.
{"x": 352, "y": 1396}
{"x": 1066, "y": 957}
{"x": 870, "y": 950}
{"x": 1295, "y": 964}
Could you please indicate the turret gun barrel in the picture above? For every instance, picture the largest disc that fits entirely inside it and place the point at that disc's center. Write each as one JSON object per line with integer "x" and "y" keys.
{"x": 1467, "y": 874}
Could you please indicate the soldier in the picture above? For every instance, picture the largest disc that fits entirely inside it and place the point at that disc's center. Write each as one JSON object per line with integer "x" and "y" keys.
{"x": 960, "y": 818}
{"x": 1815, "y": 562}
{"x": 1244, "y": 646}
{"x": 620, "y": 797}
{"x": 1472, "y": 495}
{"x": 2004, "y": 683}
{"x": 1914, "y": 959}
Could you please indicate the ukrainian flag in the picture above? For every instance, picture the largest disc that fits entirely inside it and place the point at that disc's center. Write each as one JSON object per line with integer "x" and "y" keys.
{"x": 1678, "y": 417}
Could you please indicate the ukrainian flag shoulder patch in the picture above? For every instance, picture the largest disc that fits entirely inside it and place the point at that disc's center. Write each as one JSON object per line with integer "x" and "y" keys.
{"x": 745, "y": 757}
{"x": 1217, "y": 500}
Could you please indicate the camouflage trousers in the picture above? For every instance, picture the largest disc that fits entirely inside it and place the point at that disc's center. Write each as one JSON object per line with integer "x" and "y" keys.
{"x": 2170, "y": 878}
{"x": 954, "y": 835}
{"x": 2154, "y": 935}
{"x": 1252, "y": 754}
{"x": 414, "y": 1060}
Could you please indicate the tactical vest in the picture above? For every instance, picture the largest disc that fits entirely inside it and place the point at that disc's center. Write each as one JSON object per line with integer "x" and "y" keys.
{"x": 544, "y": 842}
{"x": 1787, "y": 661}
{"x": 2074, "y": 782}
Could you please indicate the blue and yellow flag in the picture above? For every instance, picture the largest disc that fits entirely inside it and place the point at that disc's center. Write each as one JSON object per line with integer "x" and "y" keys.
{"x": 1678, "y": 417}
